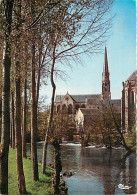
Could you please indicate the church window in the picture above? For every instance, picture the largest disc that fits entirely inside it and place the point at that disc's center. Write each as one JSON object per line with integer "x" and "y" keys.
{"x": 70, "y": 109}
{"x": 58, "y": 108}
{"x": 64, "y": 107}
{"x": 132, "y": 97}
{"x": 126, "y": 98}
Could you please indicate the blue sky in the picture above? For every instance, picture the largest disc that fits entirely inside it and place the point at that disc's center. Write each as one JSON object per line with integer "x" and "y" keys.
{"x": 86, "y": 78}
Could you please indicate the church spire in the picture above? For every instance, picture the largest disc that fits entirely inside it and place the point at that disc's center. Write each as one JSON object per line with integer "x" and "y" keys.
{"x": 105, "y": 68}
{"x": 105, "y": 79}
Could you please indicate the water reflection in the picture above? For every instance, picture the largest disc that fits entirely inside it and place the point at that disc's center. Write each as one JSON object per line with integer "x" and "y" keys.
{"x": 97, "y": 171}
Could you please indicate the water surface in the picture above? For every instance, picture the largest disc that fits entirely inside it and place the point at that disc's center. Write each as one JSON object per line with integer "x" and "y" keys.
{"x": 97, "y": 171}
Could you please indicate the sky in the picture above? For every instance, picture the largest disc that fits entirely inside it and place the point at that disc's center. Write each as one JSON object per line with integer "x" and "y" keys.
{"x": 86, "y": 78}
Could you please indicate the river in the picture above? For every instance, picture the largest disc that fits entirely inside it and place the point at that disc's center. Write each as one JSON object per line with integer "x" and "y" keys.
{"x": 97, "y": 171}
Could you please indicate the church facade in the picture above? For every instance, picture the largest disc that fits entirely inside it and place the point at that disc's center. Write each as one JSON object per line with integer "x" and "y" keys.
{"x": 129, "y": 95}
{"x": 80, "y": 105}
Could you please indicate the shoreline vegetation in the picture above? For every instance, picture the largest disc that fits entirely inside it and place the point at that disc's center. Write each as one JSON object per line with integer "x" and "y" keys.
{"x": 43, "y": 186}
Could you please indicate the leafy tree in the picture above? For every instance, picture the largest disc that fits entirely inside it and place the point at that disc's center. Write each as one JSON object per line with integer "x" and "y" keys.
{"x": 64, "y": 125}
{"x": 117, "y": 126}
{"x": 108, "y": 129}
{"x": 64, "y": 128}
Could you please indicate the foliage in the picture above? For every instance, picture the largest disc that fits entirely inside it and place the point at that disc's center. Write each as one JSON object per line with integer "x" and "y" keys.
{"x": 101, "y": 129}
{"x": 64, "y": 125}
{"x": 130, "y": 138}
{"x": 43, "y": 186}
{"x": 109, "y": 132}
{"x": 42, "y": 124}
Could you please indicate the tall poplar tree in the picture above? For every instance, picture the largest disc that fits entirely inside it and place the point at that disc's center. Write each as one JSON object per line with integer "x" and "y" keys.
{"x": 18, "y": 137}
{"x": 6, "y": 64}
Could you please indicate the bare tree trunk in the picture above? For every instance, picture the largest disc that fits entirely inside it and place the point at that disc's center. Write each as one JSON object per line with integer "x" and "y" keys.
{"x": 57, "y": 166}
{"x": 50, "y": 115}
{"x": 55, "y": 141}
{"x": 38, "y": 85}
{"x": 10, "y": 132}
{"x": 35, "y": 175}
{"x": 44, "y": 154}
{"x": 19, "y": 160}
{"x": 12, "y": 120}
{"x": 39, "y": 72}
{"x": 5, "y": 131}
{"x": 24, "y": 120}
{"x": 48, "y": 130}
{"x": 18, "y": 137}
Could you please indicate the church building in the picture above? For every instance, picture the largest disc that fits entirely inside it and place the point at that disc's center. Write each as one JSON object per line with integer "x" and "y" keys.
{"x": 88, "y": 105}
{"x": 129, "y": 94}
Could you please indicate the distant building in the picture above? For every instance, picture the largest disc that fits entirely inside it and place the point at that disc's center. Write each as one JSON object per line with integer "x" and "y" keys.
{"x": 73, "y": 102}
{"x": 85, "y": 118}
{"x": 88, "y": 106}
{"x": 129, "y": 94}
{"x": 90, "y": 116}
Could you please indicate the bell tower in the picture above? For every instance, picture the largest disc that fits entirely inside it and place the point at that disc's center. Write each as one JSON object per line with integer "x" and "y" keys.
{"x": 106, "y": 94}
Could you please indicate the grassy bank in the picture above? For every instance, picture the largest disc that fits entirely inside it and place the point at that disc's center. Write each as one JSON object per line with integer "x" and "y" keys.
{"x": 41, "y": 187}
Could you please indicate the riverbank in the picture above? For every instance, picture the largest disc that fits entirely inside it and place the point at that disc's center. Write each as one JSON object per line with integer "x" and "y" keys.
{"x": 43, "y": 186}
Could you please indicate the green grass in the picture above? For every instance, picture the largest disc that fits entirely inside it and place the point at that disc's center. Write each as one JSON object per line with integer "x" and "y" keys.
{"x": 41, "y": 187}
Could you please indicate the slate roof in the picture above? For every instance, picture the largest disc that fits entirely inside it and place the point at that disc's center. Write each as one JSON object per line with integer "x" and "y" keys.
{"x": 59, "y": 98}
{"x": 115, "y": 101}
{"x": 82, "y": 98}
{"x": 92, "y": 101}
{"x": 89, "y": 111}
{"x": 78, "y": 98}
{"x": 133, "y": 76}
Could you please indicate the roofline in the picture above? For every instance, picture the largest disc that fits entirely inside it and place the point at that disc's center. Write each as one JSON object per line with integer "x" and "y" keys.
{"x": 128, "y": 79}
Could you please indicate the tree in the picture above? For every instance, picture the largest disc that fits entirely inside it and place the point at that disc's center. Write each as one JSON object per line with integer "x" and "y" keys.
{"x": 12, "y": 121}
{"x": 18, "y": 138}
{"x": 24, "y": 118}
{"x": 109, "y": 132}
{"x": 6, "y": 64}
{"x": 20, "y": 172}
{"x": 70, "y": 35}
{"x": 129, "y": 149}
{"x": 64, "y": 125}
{"x": 33, "y": 119}
{"x": 89, "y": 127}
{"x": 36, "y": 46}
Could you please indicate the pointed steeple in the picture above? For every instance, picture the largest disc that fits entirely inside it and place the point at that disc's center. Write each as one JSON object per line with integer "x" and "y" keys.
{"x": 105, "y": 67}
{"x": 105, "y": 79}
